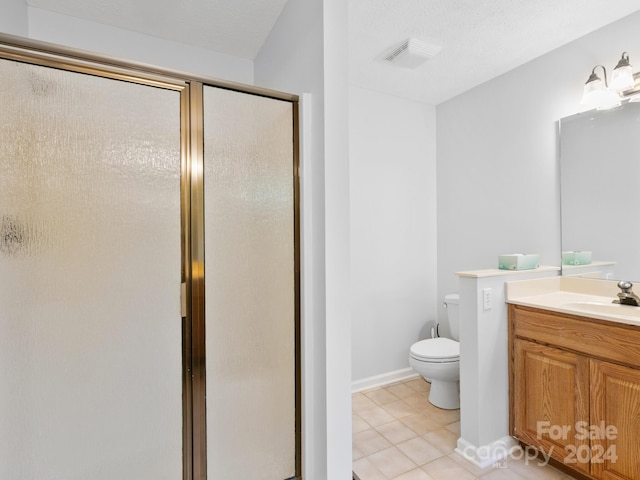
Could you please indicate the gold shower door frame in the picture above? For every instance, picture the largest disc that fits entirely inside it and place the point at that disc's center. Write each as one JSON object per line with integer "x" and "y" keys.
{"x": 190, "y": 88}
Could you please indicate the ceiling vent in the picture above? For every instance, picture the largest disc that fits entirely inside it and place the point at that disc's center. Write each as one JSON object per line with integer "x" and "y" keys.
{"x": 412, "y": 53}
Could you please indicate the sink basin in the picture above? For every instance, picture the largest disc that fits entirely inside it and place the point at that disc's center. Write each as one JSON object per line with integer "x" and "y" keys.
{"x": 600, "y": 308}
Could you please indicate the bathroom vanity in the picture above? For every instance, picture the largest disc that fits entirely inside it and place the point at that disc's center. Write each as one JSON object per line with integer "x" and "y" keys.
{"x": 574, "y": 375}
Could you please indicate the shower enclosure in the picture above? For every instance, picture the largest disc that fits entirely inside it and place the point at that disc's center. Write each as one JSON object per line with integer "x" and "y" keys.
{"x": 149, "y": 272}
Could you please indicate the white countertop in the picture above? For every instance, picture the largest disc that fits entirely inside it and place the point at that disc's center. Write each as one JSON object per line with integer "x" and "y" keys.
{"x": 575, "y": 296}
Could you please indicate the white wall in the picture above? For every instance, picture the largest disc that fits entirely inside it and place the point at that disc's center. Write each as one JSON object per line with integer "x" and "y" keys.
{"x": 305, "y": 54}
{"x": 13, "y": 17}
{"x": 393, "y": 231}
{"x": 498, "y": 187}
{"x": 484, "y": 366}
{"x": 124, "y": 44}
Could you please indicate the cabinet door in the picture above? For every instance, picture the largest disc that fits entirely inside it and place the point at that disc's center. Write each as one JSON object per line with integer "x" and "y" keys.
{"x": 550, "y": 398}
{"x": 615, "y": 421}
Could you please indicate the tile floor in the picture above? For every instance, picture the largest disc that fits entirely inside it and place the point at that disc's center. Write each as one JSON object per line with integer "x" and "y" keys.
{"x": 399, "y": 435}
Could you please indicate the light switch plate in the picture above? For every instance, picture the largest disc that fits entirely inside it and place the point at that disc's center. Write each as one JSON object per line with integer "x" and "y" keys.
{"x": 486, "y": 299}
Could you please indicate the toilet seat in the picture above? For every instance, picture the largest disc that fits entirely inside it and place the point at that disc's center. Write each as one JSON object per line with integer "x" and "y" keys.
{"x": 438, "y": 350}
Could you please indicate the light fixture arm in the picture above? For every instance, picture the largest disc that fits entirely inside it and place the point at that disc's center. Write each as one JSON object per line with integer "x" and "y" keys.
{"x": 594, "y": 76}
{"x": 624, "y": 61}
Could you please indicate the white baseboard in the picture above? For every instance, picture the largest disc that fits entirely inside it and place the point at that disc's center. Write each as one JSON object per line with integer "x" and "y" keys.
{"x": 384, "y": 379}
{"x": 487, "y": 455}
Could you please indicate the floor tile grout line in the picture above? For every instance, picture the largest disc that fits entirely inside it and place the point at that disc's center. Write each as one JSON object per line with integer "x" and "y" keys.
{"x": 442, "y": 418}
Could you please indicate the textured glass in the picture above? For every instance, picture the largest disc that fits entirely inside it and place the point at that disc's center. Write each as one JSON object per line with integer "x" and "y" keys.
{"x": 249, "y": 275}
{"x": 90, "y": 330}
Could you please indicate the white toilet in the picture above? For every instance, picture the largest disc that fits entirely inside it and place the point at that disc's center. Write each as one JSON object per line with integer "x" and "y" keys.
{"x": 438, "y": 360}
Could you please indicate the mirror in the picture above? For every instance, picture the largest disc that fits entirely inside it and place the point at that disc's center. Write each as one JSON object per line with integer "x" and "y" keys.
{"x": 600, "y": 192}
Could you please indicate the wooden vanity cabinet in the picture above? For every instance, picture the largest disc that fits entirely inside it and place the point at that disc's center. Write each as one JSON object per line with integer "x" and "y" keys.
{"x": 550, "y": 391}
{"x": 615, "y": 401}
{"x": 575, "y": 391}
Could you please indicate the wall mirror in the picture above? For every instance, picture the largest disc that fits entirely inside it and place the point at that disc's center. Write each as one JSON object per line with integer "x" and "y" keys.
{"x": 600, "y": 190}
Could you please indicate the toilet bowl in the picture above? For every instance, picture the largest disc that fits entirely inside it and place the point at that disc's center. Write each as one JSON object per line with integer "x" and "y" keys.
{"x": 438, "y": 360}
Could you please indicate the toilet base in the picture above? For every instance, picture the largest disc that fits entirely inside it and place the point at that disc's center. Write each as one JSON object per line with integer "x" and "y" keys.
{"x": 444, "y": 394}
{"x": 444, "y": 378}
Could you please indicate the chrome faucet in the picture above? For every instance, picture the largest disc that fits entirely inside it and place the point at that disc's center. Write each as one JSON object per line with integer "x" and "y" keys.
{"x": 626, "y": 296}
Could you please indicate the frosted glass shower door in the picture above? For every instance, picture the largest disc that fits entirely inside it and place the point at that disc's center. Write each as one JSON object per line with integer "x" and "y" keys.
{"x": 90, "y": 272}
{"x": 250, "y": 286}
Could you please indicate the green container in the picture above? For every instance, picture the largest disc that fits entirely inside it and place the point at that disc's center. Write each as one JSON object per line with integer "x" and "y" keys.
{"x": 519, "y": 261}
{"x": 576, "y": 258}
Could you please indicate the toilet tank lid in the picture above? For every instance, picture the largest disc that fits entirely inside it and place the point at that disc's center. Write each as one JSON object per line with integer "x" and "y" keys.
{"x": 452, "y": 298}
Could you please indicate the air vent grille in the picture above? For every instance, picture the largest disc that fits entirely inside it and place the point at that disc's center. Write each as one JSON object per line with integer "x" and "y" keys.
{"x": 412, "y": 53}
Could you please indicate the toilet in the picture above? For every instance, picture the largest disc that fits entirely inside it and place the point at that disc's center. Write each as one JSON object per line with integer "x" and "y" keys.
{"x": 438, "y": 360}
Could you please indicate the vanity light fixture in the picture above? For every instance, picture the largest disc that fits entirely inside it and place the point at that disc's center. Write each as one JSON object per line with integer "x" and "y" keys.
{"x": 601, "y": 95}
{"x": 622, "y": 76}
{"x": 597, "y": 93}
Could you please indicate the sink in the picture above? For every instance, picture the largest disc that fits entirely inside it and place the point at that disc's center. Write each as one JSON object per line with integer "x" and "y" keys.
{"x": 601, "y": 308}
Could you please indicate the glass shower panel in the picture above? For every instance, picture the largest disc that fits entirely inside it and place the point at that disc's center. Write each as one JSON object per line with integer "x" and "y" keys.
{"x": 90, "y": 271}
{"x": 249, "y": 276}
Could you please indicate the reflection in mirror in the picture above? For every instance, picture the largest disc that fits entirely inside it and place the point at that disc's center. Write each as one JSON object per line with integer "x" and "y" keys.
{"x": 600, "y": 192}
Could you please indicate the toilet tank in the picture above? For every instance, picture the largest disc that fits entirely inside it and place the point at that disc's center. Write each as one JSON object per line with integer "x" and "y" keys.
{"x": 451, "y": 303}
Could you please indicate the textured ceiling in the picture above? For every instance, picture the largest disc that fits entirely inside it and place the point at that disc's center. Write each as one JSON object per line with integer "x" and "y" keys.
{"x": 480, "y": 39}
